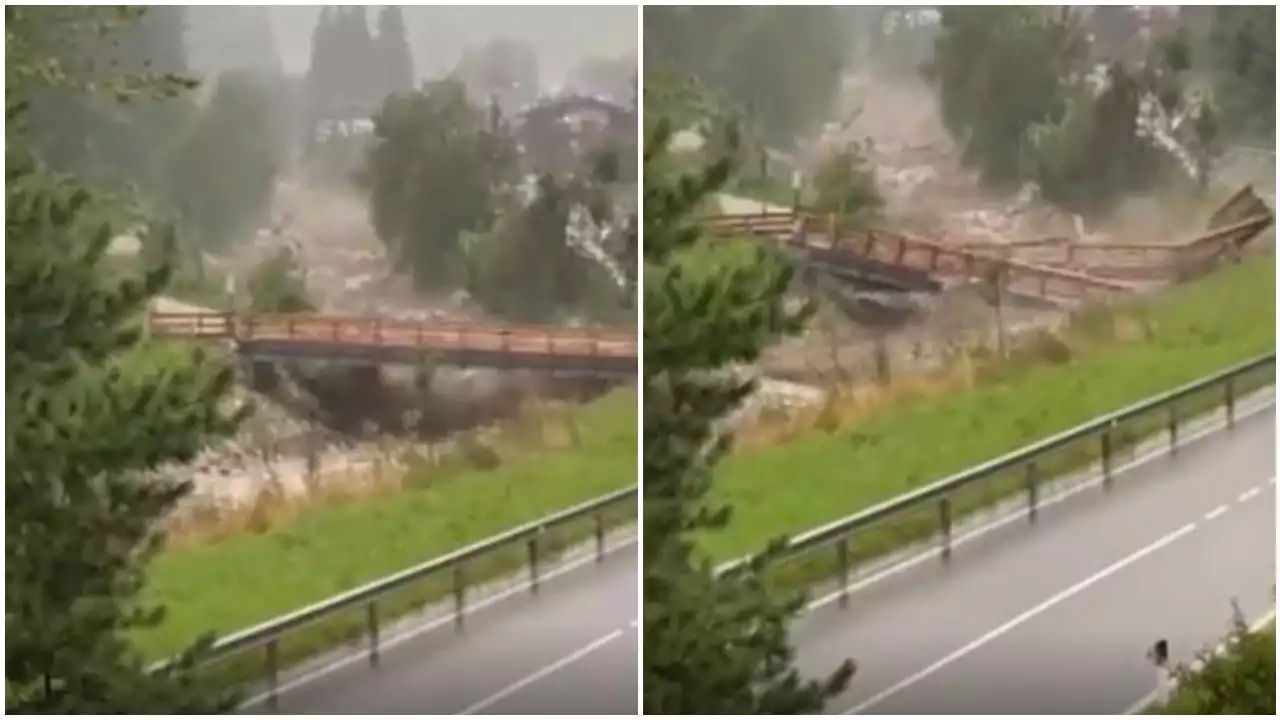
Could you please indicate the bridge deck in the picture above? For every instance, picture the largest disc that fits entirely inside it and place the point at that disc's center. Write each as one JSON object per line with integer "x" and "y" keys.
{"x": 407, "y": 341}
{"x": 1055, "y": 270}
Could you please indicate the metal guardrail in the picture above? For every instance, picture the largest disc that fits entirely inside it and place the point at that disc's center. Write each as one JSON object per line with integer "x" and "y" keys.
{"x": 267, "y": 635}
{"x": 838, "y": 533}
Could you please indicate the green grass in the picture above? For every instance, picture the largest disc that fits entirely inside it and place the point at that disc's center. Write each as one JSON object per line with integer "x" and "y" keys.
{"x": 822, "y": 476}
{"x": 237, "y": 581}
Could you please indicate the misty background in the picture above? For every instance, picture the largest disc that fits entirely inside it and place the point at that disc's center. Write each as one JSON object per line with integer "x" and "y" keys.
{"x": 231, "y": 38}
{"x": 473, "y": 165}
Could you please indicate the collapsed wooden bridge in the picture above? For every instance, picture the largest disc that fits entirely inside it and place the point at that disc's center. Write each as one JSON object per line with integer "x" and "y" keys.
{"x": 1056, "y": 271}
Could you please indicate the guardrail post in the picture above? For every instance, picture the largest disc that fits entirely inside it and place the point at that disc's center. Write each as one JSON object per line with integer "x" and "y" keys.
{"x": 1173, "y": 428}
{"x": 371, "y": 618}
{"x": 842, "y": 568}
{"x": 459, "y": 597}
{"x": 1229, "y": 389}
{"x": 1033, "y": 490}
{"x": 533, "y": 564}
{"x": 1106, "y": 455}
{"x": 599, "y": 518}
{"x": 944, "y": 519}
{"x": 273, "y": 674}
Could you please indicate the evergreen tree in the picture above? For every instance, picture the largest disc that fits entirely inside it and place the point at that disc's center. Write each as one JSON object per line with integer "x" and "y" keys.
{"x": 393, "y": 46}
{"x": 101, "y": 119}
{"x": 749, "y": 56}
{"x": 712, "y": 644}
{"x": 221, "y": 174}
{"x": 1243, "y": 42}
{"x": 432, "y": 171}
{"x": 85, "y": 422}
{"x": 358, "y": 64}
{"x": 321, "y": 74}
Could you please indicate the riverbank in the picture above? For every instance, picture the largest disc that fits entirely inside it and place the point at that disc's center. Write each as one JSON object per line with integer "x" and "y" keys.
{"x": 425, "y": 510}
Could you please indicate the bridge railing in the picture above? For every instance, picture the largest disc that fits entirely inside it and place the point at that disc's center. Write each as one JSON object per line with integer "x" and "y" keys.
{"x": 533, "y": 536}
{"x": 387, "y": 332}
{"x": 1054, "y": 268}
{"x": 930, "y": 512}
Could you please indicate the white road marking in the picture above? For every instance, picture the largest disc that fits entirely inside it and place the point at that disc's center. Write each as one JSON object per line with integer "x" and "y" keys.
{"x": 426, "y": 627}
{"x": 525, "y": 682}
{"x": 1140, "y": 706}
{"x": 635, "y": 624}
{"x": 1249, "y": 494}
{"x": 1217, "y": 512}
{"x": 1057, "y": 599}
{"x": 977, "y": 532}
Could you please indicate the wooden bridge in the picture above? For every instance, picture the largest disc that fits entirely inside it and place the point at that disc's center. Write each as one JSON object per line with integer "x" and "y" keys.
{"x": 390, "y": 341}
{"x": 1055, "y": 271}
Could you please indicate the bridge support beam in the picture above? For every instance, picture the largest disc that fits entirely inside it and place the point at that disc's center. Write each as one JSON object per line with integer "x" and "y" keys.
{"x": 260, "y": 375}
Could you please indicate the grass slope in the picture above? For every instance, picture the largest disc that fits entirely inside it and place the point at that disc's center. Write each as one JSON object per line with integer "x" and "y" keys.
{"x": 240, "y": 580}
{"x": 822, "y": 476}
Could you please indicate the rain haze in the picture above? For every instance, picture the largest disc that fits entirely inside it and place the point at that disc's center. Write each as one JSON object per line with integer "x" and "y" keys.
{"x": 438, "y": 36}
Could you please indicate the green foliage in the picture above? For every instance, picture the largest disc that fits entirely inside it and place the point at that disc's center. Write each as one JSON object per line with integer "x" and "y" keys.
{"x": 352, "y": 72}
{"x": 779, "y": 65}
{"x": 526, "y": 269}
{"x": 103, "y": 86}
{"x": 277, "y": 285}
{"x": 432, "y": 173}
{"x": 846, "y": 186}
{"x": 1091, "y": 159}
{"x": 81, "y": 520}
{"x": 712, "y": 644}
{"x": 343, "y": 81}
{"x": 1199, "y": 329}
{"x": 396, "y": 59}
{"x": 681, "y": 101}
{"x": 1243, "y": 42}
{"x": 998, "y": 71}
{"x": 1019, "y": 90}
{"x": 1240, "y": 679}
{"x": 220, "y": 175}
{"x": 84, "y": 422}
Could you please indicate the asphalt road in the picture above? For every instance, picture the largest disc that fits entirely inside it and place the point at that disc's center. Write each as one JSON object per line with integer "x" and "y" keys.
{"x": 1056, "y": 617}
{"x": 572, "y": 649}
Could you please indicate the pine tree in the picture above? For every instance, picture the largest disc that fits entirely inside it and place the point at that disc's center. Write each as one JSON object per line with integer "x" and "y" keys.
{"x": 712, "y": 644}
{"x": 320, "y": 80}
{"x": 393, "y": 47}
{"x": 86, "y": 419}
